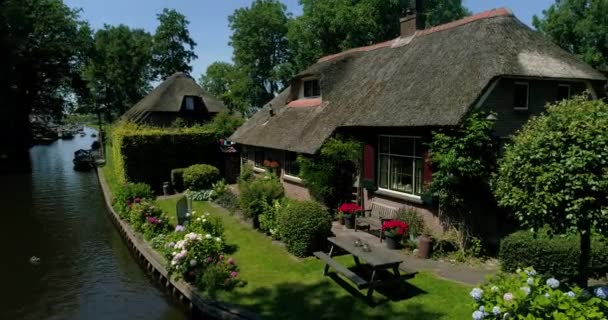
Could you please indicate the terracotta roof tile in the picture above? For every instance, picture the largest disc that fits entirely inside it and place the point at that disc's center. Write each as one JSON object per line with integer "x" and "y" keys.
{"x": 315, "y": 102}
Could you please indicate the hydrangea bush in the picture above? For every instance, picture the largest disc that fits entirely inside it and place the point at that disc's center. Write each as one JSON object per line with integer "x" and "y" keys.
{"x": 526, "y": 295}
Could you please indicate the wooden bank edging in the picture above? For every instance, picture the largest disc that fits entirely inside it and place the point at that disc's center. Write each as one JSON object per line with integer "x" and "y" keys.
{"x": 155, "y": 264}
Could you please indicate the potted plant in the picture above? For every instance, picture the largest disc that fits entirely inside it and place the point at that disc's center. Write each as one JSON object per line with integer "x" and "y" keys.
{"x": 349, "y": 211}
{"x": 393, "y": 232}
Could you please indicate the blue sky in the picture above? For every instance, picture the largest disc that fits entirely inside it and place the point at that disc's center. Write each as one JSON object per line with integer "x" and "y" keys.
{"x": 209, "y": 18}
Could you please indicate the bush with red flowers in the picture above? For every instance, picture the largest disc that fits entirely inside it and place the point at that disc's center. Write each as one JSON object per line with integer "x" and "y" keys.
{"x": 394, "y": 228}
{"x": 349, "y": 208}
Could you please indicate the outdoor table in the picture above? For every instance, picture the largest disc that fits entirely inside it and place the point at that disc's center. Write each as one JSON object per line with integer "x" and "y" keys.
{"x": 378, "y": 258}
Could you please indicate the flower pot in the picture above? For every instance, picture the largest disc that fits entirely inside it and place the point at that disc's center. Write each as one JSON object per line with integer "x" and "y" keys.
{"x": 392, "y": 243}
{"x": 424, "y": 247}
{"x": 349, "y": 221}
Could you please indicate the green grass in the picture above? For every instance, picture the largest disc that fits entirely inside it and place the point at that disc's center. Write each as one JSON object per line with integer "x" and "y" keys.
{"x": 108, "y": 170}
{"x": 280, "y": 286}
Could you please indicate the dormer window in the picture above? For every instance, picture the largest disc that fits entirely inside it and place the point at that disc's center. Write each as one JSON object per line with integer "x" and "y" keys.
{"x": 312, "y": 88}
{"x": 190, "y": 103}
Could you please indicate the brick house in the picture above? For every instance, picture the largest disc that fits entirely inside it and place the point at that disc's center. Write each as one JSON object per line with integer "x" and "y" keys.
{"x": 392, "y": 95}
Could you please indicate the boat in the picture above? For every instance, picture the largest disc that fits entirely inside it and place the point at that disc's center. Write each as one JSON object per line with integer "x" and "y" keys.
{"x": 93, "y": 135}
{"x": 83, "y": 134}
{"x": 66, "y": 134}
{"x": 83, "y": 160}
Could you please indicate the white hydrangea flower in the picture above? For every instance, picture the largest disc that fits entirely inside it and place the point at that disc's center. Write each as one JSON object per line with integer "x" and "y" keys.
{"x": 208, "y": 236}
{"x": 192, "y": 262}
{"x": 198, "y": 219}
{"x": 218, "y": 239}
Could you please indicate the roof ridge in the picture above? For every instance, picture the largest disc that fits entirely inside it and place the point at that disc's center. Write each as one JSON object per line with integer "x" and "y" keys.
{"x": 497, "y": 12}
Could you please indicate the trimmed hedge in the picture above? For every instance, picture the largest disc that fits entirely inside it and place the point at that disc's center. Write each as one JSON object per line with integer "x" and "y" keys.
{"x": 304, "y": 225}
{"x": 177, "y": 179}
{"x": 200, "y": 177}
{"x": 148, "y": 154}
{"x": 557, "y": 256}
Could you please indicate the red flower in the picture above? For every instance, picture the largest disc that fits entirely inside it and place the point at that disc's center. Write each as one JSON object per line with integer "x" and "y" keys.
{"x": 399, "y": 227}
{"x": 349, "y": 208}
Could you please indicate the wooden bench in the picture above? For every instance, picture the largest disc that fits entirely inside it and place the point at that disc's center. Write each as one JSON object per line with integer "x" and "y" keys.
{"x": 373, "y": 218}
{"x": 329, "y": 262}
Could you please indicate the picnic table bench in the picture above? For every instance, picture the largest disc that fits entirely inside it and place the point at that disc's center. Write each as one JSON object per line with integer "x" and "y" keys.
{"x": 378, "y": 258}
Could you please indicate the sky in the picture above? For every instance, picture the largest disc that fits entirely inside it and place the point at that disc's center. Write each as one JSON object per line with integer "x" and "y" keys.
{"x": 209, "y": 19}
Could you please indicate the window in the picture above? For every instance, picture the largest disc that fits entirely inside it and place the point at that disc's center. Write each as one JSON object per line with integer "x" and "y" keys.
{"x": 259, "y": 157}
{"x": 521, "y": 96}
{"x": 400, "y": 164}
{"x": 189, "y": 103}
{"x": 563, "y": 92}
{"x": 291, "y": 164}
{"x": 311, "y": 88}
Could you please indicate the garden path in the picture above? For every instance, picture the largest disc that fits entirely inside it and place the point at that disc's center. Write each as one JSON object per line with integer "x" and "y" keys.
{"x": 457, "y": 273}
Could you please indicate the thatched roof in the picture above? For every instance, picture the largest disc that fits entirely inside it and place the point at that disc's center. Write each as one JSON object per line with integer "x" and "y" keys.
{"x": 431, "y": 79}
{"x": 168, "y": 97}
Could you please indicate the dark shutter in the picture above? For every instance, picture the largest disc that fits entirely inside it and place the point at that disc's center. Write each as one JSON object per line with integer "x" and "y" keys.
{"x": 369, "y": 167}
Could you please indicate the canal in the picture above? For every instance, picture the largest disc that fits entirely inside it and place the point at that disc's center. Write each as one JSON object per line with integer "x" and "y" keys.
{"x": 85, "y": 270}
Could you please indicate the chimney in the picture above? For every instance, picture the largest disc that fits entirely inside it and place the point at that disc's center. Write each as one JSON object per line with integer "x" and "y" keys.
{"x": 413, "y": 21}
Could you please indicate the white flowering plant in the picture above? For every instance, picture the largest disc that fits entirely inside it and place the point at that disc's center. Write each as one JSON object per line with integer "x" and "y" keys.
{"x": 190, "y": 256}
{"x": 206, "y": 223}
{"x": 525, "y": 295}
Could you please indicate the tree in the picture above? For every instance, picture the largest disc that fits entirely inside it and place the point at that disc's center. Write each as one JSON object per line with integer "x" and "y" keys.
{"x": 259, "y": 40}
{"x": 555, "y": 172}
{"x": 463, "y": 159}
{"x": 42, "y": 42}
{"x": 173, "y": 48}
{"x": 579, "y": 27}
{"x": 228, "y": 83}
{"x": 118, "y": 72}
{"x": 327, "y": 27}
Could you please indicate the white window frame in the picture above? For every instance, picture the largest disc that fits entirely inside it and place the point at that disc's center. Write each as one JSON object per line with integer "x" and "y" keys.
{"x": 527, "y": 84}
{"x": 302, "y": 91}
{"x": 189, "y": 103}
{"x": 392, "y": 192}
{"x": 565, "y": 85}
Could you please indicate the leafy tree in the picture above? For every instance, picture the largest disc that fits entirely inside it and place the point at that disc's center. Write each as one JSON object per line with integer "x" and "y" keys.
{"x": 259, "y": 40}
{"x": 118, "y": 71}
{"x": 328, "y": 27}
{"x": 173, "y": 47}
{"x": 580, "y": 27}
{"x": 463, "y": 160}
{"x": 224, "y": 124}
{"x": 229, "y": 83}
{"x": 554, "y": 173}
{"x": 42, "y": 42}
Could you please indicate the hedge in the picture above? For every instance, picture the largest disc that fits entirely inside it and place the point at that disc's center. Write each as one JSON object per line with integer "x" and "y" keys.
{"x": 200, "y": 177}
{"x": 148, "y": 154}
{"x": 555, "y": 256}
{"x": 304, "y": 225}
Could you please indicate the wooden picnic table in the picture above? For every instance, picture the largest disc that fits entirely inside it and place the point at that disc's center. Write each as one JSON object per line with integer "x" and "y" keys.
{"x": 378, "y": 258}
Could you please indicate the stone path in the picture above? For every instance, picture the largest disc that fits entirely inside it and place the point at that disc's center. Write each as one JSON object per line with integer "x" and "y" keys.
{"x": 457, "y": 273}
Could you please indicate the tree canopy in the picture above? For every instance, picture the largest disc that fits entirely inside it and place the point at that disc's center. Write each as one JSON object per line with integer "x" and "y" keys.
{"x": 555, "y": 171}
{"x": 580, "y": 27}
{"x": 173, "y": 48}
{"x": 119, "y": 70}
{"x": 259, "y": 40}
{"x": 226, "y": 82}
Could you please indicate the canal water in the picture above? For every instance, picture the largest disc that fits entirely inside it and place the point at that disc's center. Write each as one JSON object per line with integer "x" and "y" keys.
{"x": 85, "y": 270}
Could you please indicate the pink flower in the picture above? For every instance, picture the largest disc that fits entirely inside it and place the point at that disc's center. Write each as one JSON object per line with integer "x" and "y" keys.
{"x": 221, "y": 257}
{"x": 230, "y": 261}
{"x": 233, "y": 274}
{"x": 209, "y": 259}
{"x": 137, "y": 200}
{"x": 508, "y": 296}
{"x": 179, "y": 228}
{"x": 153, "y": 220}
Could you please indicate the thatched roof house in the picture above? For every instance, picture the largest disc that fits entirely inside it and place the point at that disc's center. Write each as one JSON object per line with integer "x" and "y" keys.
{"x": 392, "y": 95}
{"x": 430, "y": 78}
{"x": 177, "y": 97}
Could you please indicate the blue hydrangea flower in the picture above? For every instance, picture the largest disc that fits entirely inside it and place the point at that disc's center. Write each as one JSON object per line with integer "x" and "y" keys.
{"x": 476, "y": 294}
{"x": 601, "y": 292}
{"x": 478, "y": 315}
{"x": 531, "y": 272}
{"x": 570, "y": 294}
{"x": 482, "y": 308}
{"x": 530, "y": 281}
{"x": 496, "y": 311}
{"x": 553, "y": 283}
{"x": 526, "y": 290}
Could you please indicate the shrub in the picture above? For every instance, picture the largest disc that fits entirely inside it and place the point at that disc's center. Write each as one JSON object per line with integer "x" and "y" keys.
{"x": 219, "y": 274}
{"x": 177, "y": 179}
{"x": 246, "y": 174}
{"x": 126, "y": 195}
{"x": 200, "y": 176}
{"x": 557, "y": 256}
{"x": 304, "y": 225}
{"x": 228, "y": 200}
{"x": 413, "y": 220}
{"x": 269, "y": 217}
{"x": 527, "y": 296}
{"x": 219, "y": 188}
{"x": 259, "y": 193}
{"x": 193, "y": 254}
{"x": 207, "y": 224}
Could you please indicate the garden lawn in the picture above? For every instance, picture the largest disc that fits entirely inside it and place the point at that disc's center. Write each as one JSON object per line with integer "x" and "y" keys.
{"x": 280, "y": 286}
